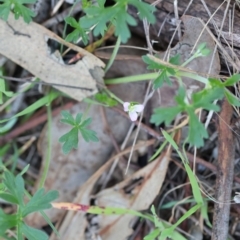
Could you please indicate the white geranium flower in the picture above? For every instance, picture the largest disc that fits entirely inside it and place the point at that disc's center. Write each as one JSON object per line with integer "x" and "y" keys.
{"x": 133, "y": 109}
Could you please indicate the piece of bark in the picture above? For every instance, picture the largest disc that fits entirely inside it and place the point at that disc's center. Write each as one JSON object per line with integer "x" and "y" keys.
{"x": 225, "y": 173}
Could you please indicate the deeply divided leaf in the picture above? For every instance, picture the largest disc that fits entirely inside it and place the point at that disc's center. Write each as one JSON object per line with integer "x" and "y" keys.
{"x": 175, "y": 60}
{"x": 197, "y": 131}
{"x": 145, "y": 10}
{"x": 7, "y": 221}
{"x": 69, "y": 140}
{"x": 166, "y": 72}
{"x": 88, "y": 135}
{"x": 163, "y": 77}
{"x": 77, "y": 33}
{"x": 204, "y": 99}
{"x": 39, "y": 201}
{"x": 9, "y": 198}
{"x": 102, "y": 17}
{"x": 232, "y": 80}
{"x": 14, "y": 185}
{"x": 165, "y": 115}
{"x": 67, "y": 118}
{"x": 232, "y": 99}
{"x": 32, "y": 233}
{"x": 18, "y": 9}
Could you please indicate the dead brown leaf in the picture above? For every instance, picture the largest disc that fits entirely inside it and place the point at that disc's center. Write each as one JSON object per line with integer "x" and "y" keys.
{"x": 147, "y": 183}
{"x": 70, "y": 227}
{"x": 26, "y": 45}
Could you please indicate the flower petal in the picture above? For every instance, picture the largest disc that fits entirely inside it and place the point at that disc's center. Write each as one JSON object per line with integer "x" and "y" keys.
{"x": 138, "y": 108}
{"x": 126, "y": 106}
{"x": 133, "y": 116}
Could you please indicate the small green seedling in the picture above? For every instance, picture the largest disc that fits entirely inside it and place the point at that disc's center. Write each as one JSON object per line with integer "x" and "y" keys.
{"x": 12, "y": 191}
{"x": 101, "y": 17}
{"x": 70, "y": 139}
{"x": 78, "y": 31}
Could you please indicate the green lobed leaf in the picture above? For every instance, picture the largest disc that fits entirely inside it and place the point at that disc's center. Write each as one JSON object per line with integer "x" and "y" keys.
{"x": 232, "y": 80}
{"x": 165, "y": 115}
{"x": 5, "y": 10}
{"x": 9, "y": 198}
{"x": 180, "y": 97}
{"x": 204, "y": 99}
{"x": 19, "y": 182}
{"x": 232, "y": 99}
{"x": 197, "y": 131}
{"x": 78, "y": 119}
{"x": 85, "y": 123}
{"x": 77, "y": 33}
{"x": 15, "y": 186}
{"x": 69, "y": 140}
{"x": 100, "y": 16}
{"x": 166, "y": 72}
{"x": 163, "y": 77}
{"x": 72, "y": 22}
{"x": 152, "y": 65}
{"x": 67, "y": 118}
{"x": 33, "y": 233}
{"x": 145, "y": 10}
{"x": 18, "y": 9}
{"x": 26, "y": 13}
{"x": 73, "y": 36}
{"x": 175, "y": 60}
{"x": 89, "y": 135}
{"x": 215, "y": 83}
{"x": 123, "y": 19}
{"x": 7, "y": 221}
{"x": 39, "y": 201}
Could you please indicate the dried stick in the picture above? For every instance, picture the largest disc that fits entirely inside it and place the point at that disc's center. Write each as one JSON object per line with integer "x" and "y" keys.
{"x": 225, "y": 171}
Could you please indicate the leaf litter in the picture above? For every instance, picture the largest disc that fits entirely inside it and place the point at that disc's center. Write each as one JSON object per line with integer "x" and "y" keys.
{"x": 76, "y": 175}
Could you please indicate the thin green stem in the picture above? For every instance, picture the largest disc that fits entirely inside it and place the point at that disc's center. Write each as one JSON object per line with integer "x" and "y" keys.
{"x": 189, "y": 60}
{"x": 158, "y": 151}
{"x": 114, "y": 54}
{"x": 193, "y": 76}
{"x": 135, "y": 78}
{"x": 113, "y": 96}
{"x": 148, "y": 76}
{"x": 49, "y": 150}
{"x": 65, "y": 25}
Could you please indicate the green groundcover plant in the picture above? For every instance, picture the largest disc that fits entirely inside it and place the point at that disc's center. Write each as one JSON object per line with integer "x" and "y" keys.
{"x": 99, "y": 18}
